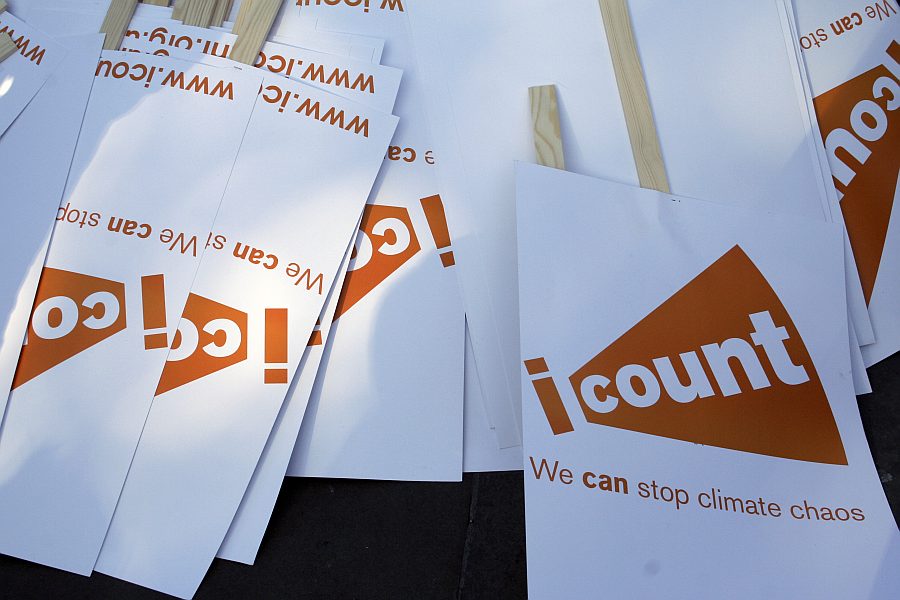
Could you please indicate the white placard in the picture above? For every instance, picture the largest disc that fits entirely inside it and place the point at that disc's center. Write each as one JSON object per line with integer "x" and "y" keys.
{"x": 249, "y": 525}
{"x": 388, "y": 403}
{"x": 689, "y": 416}
{"x": 851, "y": 52}
{"x": 157, "y": 145}
{"x": 729, "y": 120}
{"x": 311, "y": 158}
{"x": 35, "y": 155}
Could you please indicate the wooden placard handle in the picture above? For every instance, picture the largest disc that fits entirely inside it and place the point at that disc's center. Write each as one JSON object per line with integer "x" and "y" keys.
{"x": 156, "y": 2}
{"x": 7, "y": 46}
{"x": 223, "y": 9}
{"x": 199, "y": 13}
{"x": 254, "y": 29}
{"x": 633, "y": 91}
{"x": 118, "y": 16}
{"x": 178, "y": 9}
{"x": 548, "y": 142}
{"x": 240, "y": 21}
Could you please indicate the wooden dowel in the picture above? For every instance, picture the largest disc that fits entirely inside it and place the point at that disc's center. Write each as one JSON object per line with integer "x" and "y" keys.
{"x": 116, "y": 21}
{"x": 240, "y": 21}
{"x": 199, "y": 13}
{"x": 258, "y": 22}
{"x": 633, "y": 91}
{"x": 178, "y": 9}
{"x": 548, "y": 142}
{"x": 7, "y": 46}
{"x": 223, "y": 9}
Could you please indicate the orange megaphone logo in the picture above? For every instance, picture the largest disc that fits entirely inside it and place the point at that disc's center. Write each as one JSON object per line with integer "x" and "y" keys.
{"x": 71, "y": 313}
{"x": 861, "y": 131}
{"x": 720, "y": 363}
{"x": 210, "y": 337}
{"x": 385, "y": 242}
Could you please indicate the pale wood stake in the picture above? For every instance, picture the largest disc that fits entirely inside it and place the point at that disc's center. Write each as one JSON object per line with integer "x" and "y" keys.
{"x": 240, "y": 21}
{"x": 258, "y": 21}
{"x": 178, "y": 9}
{"x": 199, "y": 13}
{"x": 223, "y": 9}
{"x": 116, "y": 21}
{"x": 633, "y": 90}
{"x": 545, "y": 125}
{"x": 7, "y": 46}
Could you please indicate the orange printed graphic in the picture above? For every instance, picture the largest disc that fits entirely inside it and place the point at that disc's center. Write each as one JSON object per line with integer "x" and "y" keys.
{"x": 276, "y": 344}
{"x": 437, "y": 222}
{"x": 861, "y": 130}
{"x": 71, "y": 313}
{"x": 153, "y": 299}
{"x": 551, "y": 402}
{"x": 386, "y": 241}
{"x": 315, "y": 339}
{"x": 720, "y": 363}
{"x": 210, "y": 337}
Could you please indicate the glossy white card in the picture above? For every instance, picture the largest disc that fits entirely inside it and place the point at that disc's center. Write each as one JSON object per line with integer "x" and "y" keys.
{"x": 311, "y": 159}
{"x": 35, "y": 155}
{"x": 117, "y": 276}
{"x": 690, "y": 422}
{"x": 730, "y": 123}
{"x": 388, "y": 403}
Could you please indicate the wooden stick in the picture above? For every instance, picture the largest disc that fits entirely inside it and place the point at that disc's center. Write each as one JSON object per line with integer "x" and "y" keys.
{"x": 548, "y": 142}
{"x": 633, "y": 90}
{"x": 178, "y": 9}
{"x": 259, "y": 19}
{"x": 116, "y": 21}
{"x": 223, "y": 9}
{"x": 240, "y": 21}
{"x": 199, "y": 13}
{"x": 7, "y": 46}
{"x": 156, "y": 2}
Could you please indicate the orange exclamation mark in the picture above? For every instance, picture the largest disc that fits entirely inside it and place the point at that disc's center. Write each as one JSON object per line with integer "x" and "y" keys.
{"x": 153, "y": 299}
{"x": 552, "y": 403}
{"x": 316, "y": 338}
{"x": 437, "y": 222}
{"x": 276, "y": 344}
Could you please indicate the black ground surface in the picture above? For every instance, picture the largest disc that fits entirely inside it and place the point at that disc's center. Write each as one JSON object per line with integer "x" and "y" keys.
{"x": 372, "y": 540}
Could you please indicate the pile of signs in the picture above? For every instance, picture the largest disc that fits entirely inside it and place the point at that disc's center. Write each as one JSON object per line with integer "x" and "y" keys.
{"x": 304, "y": 238}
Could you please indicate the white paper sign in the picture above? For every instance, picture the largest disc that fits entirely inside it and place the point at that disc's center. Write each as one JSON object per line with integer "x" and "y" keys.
{"x": 689, "y": 417}
{"x": 35, "y": 155}
{"x": 388, "y": 402}
{"x": 311, "y": 159}
{"x": 158, "y": 142}
{"x": 852, "y": 57}
{"x": 24, "y": 72}
{"x": 375, "y": 86}
{"x": 249, "y": 525}
{"x": 714, "y": 112}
